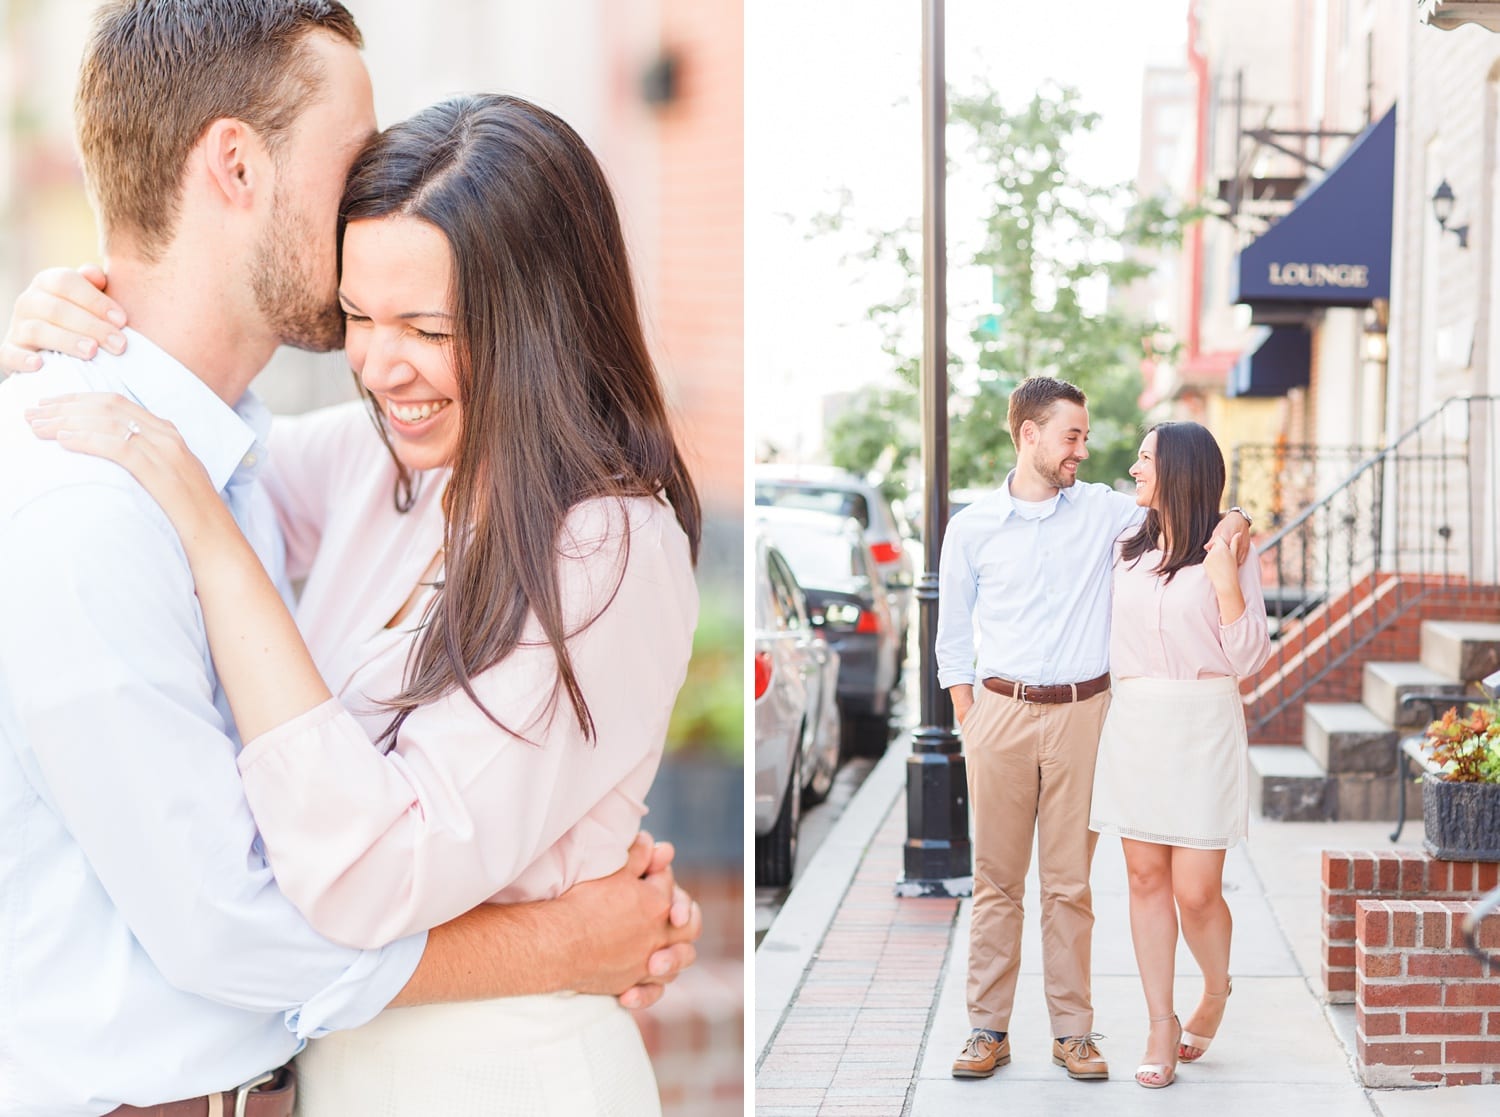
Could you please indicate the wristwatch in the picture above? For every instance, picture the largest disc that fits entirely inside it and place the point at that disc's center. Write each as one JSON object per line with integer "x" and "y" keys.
{"x": 1248, "y": 521}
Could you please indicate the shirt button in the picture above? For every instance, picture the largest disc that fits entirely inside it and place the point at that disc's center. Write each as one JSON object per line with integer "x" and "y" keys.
{"x": 249, "y": 459}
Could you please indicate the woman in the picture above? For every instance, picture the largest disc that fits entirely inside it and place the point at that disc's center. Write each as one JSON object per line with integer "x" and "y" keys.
{"x": 499, "y": 586}
{"x": 1171, "y": 778}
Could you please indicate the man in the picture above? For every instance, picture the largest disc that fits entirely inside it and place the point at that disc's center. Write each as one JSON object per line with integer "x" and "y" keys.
{"x": 148, "y": 955}
{"x": 1029, "y": 567}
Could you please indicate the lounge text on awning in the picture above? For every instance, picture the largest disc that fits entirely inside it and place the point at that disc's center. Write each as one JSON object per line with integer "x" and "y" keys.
{"x": 1334, "y": 247}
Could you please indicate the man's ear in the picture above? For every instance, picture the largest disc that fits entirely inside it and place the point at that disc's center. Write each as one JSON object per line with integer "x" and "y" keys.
{"x": 235, "y": 161}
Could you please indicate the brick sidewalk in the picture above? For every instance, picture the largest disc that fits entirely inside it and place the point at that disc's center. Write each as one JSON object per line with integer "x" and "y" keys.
{"x": 866, "y": 993}
{"x": 852, "y": 1039}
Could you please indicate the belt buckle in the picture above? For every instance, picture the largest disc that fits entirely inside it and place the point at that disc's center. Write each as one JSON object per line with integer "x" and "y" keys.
{"x": 1021, "y": 691}
{"x": 242, "y": 1093}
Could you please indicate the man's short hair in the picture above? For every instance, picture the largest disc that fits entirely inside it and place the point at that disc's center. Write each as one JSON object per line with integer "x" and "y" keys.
{"x": 156, "y": 73}
{"x": 1033, "y": 399}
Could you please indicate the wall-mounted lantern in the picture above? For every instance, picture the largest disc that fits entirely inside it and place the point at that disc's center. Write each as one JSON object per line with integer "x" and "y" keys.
{"x": 661, "y": 81}
{"x": 1442, "y": 209}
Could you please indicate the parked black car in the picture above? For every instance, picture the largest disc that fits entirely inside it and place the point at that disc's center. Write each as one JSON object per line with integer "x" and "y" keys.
{"x": 846, "y": 598}
{"x": 839, "y": 492}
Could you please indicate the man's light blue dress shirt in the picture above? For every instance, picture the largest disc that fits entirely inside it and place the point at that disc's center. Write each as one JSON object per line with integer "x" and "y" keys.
{"x": 1036, "y": 591}
{"x": 146, "y": 953}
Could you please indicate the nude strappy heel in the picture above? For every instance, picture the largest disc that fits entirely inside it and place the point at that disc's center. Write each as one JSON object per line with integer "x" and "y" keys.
{"x": 1167, "y": 1072}
{"x": 1190, "y": 1041}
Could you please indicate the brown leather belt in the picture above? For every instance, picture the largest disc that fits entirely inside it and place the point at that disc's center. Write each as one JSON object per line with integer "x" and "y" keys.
{"x": 273, "y": 1095}
{"x": 1049, "y": 695}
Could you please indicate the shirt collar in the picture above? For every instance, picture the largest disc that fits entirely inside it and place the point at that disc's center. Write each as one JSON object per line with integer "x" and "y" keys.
{"x": 1008, "y": 504}
{"x": 227, "y": 440}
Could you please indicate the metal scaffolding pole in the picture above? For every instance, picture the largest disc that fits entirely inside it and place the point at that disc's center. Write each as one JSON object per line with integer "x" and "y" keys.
{"x": 937, "y": 858}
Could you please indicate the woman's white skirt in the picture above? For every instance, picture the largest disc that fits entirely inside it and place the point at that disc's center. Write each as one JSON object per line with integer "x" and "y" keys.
{"x": 1174, "y": 763}
{"x": 545, "y": 1056}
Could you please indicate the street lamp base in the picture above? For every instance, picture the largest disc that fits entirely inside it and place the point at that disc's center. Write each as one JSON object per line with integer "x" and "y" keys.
{"x": 955, "y": 888}
{"x": 937, "y": 846}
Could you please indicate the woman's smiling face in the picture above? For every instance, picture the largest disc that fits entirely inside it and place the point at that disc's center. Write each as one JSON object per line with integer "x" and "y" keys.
{"x": 397, "y": 299}
{"x": 1144, "y": 472}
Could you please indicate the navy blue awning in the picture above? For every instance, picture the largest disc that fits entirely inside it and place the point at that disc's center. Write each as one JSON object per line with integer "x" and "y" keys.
{"x": 1278, "y": 360}
{"x": 1334, "y": 247}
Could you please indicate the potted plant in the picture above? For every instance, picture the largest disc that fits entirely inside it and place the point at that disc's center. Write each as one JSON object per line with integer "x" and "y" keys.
{"x": 1461, "y": 784}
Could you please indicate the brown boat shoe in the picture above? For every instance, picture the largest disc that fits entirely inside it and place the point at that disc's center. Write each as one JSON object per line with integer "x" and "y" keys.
{"x": 981, "y": 1055}
{"x": 1081, "y": 1055}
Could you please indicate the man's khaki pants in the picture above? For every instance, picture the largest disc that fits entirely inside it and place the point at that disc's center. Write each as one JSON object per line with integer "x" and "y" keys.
{"x": 1031, "y": 769}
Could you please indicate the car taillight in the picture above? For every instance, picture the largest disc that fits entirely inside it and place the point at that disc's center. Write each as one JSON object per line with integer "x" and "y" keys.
{"x": 869, "y": 621}
{"x": 762, "y": 673}
{"x": 885, "y": 553}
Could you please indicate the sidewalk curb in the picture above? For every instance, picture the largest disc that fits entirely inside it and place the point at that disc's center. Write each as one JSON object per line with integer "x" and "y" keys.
{"x": 788, "y": 947}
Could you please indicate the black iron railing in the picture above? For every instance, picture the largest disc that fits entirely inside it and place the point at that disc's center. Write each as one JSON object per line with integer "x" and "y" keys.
{"x": 1274, "y": 481}
{"x": 1407, "y": 521}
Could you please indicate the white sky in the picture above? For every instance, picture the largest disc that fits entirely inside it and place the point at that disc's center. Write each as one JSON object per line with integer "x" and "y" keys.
{"x": 833, "y": 101}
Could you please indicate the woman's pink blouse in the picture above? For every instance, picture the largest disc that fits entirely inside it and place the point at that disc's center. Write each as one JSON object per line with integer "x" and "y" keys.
{"x": 373, "y": 845}
{"x": 1165, "y": 630}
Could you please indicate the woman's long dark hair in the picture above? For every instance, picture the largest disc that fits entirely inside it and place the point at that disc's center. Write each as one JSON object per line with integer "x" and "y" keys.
{"x": 1189, "y": 486}
{"x": 559, "y": 398}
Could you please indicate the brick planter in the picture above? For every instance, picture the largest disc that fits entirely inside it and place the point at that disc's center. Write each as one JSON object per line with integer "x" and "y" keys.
{"x": 1353, "y": 875}
{"x": 1426, "y": 1011}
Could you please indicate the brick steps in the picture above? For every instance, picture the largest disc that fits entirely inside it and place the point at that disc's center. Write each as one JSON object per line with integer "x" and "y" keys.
{"x": 1461, "y": 649}
{"x": 1346, "y": 766}
{"x": 1287, "y": 784}
{"x": 1385, "y": 684}
{"x": 1378, "y": 620}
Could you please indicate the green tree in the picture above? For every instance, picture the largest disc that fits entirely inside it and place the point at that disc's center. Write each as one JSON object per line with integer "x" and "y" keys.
{"x": 1054, "y": 244}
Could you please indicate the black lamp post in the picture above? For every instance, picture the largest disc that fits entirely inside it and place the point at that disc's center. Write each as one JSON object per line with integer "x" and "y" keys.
{"x": 937, "y": 859}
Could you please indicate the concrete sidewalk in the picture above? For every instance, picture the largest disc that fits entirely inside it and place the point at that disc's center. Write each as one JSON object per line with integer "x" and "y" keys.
{"x": 859, "y": 997}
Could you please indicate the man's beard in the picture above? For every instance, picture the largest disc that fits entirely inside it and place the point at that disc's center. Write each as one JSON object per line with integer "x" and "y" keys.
{"x": 285, "y": 290}
{"x": 1056, "y": 476}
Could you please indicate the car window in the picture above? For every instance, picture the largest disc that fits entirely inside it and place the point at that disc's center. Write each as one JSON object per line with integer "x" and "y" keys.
{"x": 776, "y": 598}
{"x": 814, "y": 498}
{"x": 822, "y": 559}
{"x": 783, "y": 589}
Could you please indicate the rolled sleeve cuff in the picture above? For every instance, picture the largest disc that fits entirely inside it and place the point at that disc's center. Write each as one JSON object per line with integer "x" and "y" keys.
{"x": 300, "y": 729}
{"x": 1245, "y": 643}
{"x": 950, "y": 679}
{"x": 361, "y": 992}
{"x": 1239, "y": 624}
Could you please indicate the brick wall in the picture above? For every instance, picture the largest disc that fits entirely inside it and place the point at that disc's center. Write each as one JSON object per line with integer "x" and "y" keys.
{"x": 720, "y": 893}
{"x": 1352, "y": 876}
{"x": 696, "y": 1038}
{"x": 696, "y": 1033}
{"x": 700, "y": 309}
{"x": 1426, "y": 1011}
